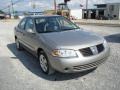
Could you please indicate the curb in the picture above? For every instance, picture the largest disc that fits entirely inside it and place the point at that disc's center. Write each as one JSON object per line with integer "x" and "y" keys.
{"x": 99, "y": 24}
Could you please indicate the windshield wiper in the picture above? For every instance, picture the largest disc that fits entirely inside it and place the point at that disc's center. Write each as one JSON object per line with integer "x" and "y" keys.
{"x": 48, "y": 31}
{"x": 70, "y": 28}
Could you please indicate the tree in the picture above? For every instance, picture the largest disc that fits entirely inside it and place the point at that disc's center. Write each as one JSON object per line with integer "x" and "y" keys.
{"x": 1, "y": 12}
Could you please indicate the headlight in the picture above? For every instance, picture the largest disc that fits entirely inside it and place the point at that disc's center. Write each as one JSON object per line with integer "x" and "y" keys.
{"x": 105, "y": 43}
{"x": 64, "y": 53}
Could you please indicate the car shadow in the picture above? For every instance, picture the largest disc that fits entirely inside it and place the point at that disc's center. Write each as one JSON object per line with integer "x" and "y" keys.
{"x": 114, "y": 38}
{"x": 32, "y": 64}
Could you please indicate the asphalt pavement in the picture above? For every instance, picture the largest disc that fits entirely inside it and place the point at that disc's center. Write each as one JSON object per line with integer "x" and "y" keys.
{"x": 19, "y": 70}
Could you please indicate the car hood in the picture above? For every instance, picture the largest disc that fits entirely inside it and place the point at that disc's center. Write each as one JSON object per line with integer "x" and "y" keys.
{"x": 73, "y": 39}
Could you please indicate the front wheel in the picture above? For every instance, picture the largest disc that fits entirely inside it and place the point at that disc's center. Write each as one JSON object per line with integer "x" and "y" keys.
{"x": 44, "y": 64}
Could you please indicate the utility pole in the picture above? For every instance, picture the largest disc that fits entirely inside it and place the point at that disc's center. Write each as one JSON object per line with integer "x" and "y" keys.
{"x": 9, "y": 10}
{"x": 55, "y": 6}
{"x": 12, "y": 7}
{"x": 86, "y": 9}
{"x": 33, "y": 4}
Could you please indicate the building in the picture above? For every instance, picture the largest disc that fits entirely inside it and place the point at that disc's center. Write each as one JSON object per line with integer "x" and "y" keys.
{"x": 113, "y": 11}
{"x": 76, "y": 14}
{"x": 35, "y": 13}
{"x": 103, "y": 11}
{"x": 22, "y": 14}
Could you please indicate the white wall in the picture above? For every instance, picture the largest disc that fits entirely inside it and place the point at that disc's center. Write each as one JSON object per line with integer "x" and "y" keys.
{"x": 115, "y": 11}
{"x": 77, "y": 13}
{"x": 119, "y": 12}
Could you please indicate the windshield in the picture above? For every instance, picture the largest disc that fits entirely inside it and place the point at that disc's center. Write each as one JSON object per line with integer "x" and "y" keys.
{"x": 54, "y": 24}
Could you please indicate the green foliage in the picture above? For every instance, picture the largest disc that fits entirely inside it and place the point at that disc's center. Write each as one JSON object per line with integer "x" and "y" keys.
{"x": 1, "y": 12}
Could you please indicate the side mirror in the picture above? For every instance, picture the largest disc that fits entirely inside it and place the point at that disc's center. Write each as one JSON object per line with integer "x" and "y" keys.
{"x": 30, "y": 31}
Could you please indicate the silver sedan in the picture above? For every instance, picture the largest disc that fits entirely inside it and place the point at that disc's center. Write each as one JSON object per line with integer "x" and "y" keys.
{"x": 60, "y": 45}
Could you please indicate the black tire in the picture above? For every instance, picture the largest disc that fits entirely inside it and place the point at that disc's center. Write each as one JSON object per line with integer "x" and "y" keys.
{"x": 46, "y": 68}
{"x": 18, "y": 45}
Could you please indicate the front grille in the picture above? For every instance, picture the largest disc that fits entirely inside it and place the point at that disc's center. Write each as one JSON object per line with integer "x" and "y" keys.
{"x": 100, "y": 48}
{"x": 90, "y": 65}
{"x": 88, "y": 52}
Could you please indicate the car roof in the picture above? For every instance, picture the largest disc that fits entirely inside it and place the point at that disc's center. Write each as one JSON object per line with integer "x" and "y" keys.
{"x": 42, "y": 16}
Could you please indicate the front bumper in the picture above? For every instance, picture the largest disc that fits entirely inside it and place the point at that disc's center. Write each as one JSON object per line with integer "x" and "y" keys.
{"x": 80, "y": 63}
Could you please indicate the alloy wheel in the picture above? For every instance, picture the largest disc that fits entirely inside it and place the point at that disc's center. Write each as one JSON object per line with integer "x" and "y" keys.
{"x": 43, "y": 63}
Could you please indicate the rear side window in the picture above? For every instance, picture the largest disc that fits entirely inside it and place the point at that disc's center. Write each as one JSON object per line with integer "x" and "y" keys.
{"x": 22, "y": 24}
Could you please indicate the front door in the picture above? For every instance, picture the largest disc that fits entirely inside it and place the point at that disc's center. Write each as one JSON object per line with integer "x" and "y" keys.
{"x": 30, "y": 38}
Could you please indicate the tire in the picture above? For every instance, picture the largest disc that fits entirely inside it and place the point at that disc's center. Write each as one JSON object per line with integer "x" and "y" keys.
{"x": 44, "y": 64}
{"x": 18, "y": 45}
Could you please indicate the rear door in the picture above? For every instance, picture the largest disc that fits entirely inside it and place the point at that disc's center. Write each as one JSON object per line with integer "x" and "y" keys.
{"x": 20, "y": 30}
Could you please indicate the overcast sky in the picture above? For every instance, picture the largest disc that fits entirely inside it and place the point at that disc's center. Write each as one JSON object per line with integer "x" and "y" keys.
{"x": 25, "y": 5}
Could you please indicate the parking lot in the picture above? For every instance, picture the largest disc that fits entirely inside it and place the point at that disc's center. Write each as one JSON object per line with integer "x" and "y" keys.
{"x": 19, "y": 70}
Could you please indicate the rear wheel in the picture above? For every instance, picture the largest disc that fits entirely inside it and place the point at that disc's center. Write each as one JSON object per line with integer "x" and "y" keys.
{"x": 44, "y": 63}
